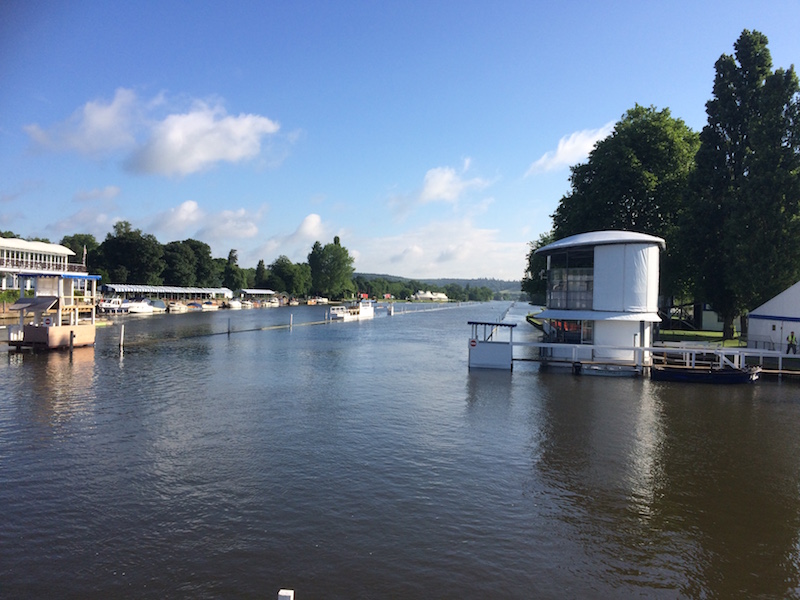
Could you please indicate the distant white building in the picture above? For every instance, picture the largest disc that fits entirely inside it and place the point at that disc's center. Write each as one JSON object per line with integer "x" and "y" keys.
{"x": 602, "y": 292}
{"x": 430, "y": 296}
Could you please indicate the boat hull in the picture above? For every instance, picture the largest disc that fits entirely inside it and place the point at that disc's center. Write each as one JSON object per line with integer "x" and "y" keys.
{"x": 699, "y": 375}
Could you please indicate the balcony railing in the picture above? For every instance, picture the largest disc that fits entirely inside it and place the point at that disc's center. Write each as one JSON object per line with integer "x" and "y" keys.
{"x": 18, "y": 265}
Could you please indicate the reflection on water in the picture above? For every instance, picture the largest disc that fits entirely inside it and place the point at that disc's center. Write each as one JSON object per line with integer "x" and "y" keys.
{"x": 366, "y": 460}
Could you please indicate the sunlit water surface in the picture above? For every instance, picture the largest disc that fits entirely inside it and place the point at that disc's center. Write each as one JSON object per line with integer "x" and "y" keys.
{"x": 364, "y": 460}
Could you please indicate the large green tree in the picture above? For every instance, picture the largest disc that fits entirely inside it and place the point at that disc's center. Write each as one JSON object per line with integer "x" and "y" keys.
{"x": 181, "y": 264}
{"x": 80, "y": 243}
{"x": 207, "y": 274}
{"x": 634, "y": 180}
{"x": 331, "y": 269}
{"x": 743, "y": 229}
{"x": 233, "y": 277}
{"x": 128, "y": 256}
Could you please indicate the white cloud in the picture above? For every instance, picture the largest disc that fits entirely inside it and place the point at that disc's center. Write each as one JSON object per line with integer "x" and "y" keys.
{"x": 177, "y": 143}
{"x": 295, "y": 245}
{"x": 186, "y": 143}
{"x": 95, "y": 129}
{"x": 184, "y": 218}
{"x": 87, "y": 220}
{"x": 230, "y": 225}
{"x": 454, "y": 248}
{"x": 107, "y": 193}
{"x": 572, "y": 149}
{"x": 445, "y": 184}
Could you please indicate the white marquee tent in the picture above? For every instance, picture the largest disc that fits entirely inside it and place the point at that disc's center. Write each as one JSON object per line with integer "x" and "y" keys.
{"x": 770, "y": 324}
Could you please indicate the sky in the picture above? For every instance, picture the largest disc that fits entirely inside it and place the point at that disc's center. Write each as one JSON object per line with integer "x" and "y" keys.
{"x": 433, "y": 137}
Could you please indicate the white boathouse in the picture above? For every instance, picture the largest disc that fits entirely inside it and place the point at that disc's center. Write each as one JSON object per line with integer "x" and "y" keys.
{"x": 61, "y": 311}
{"x": 602, "y": 297}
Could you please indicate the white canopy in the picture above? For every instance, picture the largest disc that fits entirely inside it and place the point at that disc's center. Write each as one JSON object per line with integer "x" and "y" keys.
{"x": 602, "y": 238}
{"x": 597, "y": 315}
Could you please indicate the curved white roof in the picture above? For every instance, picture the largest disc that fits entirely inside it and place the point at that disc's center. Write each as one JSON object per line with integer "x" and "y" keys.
{"x": 44, "y": 247}
{"x": 602, "y": 238}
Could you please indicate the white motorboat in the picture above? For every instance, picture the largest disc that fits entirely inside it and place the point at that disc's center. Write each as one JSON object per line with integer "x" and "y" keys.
{"x": 358, "y": 311}
{"x": 113, "y": 305}
{"x": 177, "y": 307}
{"x": 139, "y": 307}
{"x": 234, "y": 304}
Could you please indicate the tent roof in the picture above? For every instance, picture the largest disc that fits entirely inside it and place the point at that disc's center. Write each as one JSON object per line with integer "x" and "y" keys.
{"x": 17, "y": 244}
{"x": 129, "y": 288}
{"x": 35, "y": 303}
{"x": 785, "y": 306}
{"x": 602, "y": 238}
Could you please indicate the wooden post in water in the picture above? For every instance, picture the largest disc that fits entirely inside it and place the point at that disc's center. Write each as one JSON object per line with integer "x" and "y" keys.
{"x": 121, "y": 335}
{"x": 291, "y": 320}
{"x": 71, "y": 341}
{"x": 229, "y": 327}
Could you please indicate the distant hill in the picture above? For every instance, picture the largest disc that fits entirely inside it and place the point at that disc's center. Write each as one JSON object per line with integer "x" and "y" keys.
{"x": 496, "y": 285}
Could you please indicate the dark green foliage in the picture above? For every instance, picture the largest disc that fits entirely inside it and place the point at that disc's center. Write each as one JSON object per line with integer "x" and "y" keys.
{"x": 534, "y": 283}
{"x": 181, "y": 265}
{"x": 233, "y": 277}
{"x": 745, "y": 213}
{"x": 129, "y": 256}
{"x": 331, "y": 268}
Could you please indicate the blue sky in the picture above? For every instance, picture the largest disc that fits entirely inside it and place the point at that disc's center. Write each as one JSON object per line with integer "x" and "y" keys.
{"x": 434, "y": 138}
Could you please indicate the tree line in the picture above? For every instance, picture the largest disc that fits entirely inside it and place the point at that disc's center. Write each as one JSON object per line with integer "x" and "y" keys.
{"x": 726, "y": 200}
{"x": 128, "y": 255}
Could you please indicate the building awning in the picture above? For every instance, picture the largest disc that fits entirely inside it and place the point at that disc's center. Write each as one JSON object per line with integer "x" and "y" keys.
{"x": 596, "y": 315}
{"x": 36, "y": 303}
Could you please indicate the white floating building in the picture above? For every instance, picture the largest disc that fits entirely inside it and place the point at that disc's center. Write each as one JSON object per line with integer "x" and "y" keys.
{"x": 602, "y": 297}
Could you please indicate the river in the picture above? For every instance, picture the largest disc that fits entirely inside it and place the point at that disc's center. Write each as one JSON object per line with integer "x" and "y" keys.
{"x": 364, "y": 460}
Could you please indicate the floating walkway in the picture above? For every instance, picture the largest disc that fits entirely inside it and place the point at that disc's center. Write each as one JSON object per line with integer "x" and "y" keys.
{"x": 492, "y": 346}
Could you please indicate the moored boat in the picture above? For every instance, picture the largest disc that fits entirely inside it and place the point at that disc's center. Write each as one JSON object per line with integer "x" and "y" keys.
{"x": 139, "y": 307}
{"x": 357, "y": 311}
{"x": 704, "y": 374}
{"x": 177, "y": 307}
{"x": 112, "y": 305}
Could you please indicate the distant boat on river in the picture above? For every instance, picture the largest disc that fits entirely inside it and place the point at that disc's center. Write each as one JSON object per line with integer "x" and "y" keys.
{"x": 353, "y": 312}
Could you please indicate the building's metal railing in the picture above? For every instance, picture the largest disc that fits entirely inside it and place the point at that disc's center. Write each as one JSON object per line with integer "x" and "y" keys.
{"x": 17, "y": 265}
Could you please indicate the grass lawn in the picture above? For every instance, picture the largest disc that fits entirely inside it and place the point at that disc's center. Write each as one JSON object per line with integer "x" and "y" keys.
{"x": 710, "y": 337}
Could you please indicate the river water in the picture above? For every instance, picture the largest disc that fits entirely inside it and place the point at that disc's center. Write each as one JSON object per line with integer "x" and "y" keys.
{"x": 364, "y": 460}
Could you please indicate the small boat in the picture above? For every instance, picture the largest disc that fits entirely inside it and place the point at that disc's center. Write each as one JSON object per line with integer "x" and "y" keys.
{"x": 704, "y": 374}
{"x": 177, "y": 307}
{"x": 234, "y": 304}
{"x": 357, "y": 311}
{"x": 247, "y": 304}
{"x": 208, "y": 305}
{"x": 194, "y": 307}
{"x": 115, "y": 305}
